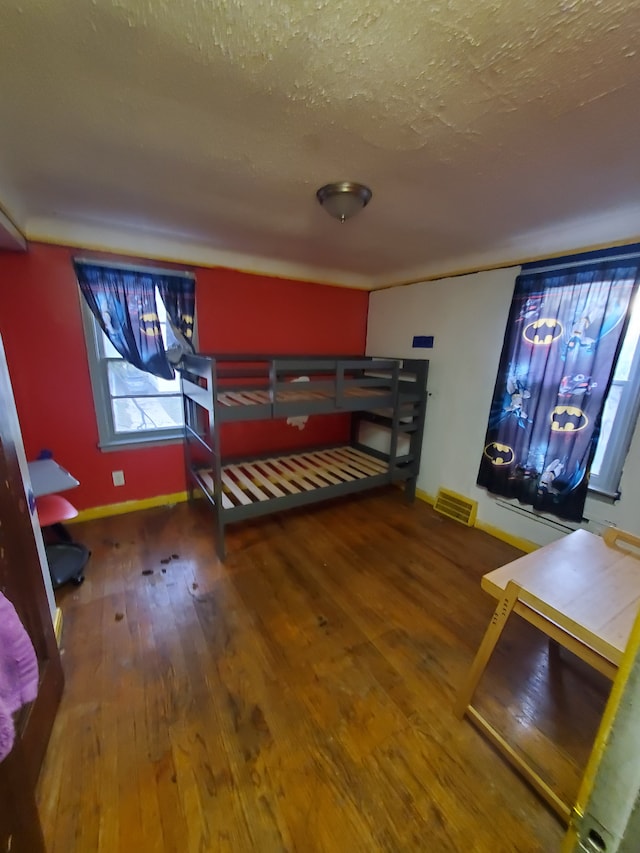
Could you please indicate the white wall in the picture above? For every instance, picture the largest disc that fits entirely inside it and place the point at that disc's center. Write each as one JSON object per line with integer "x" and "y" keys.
{"x": 467, "y": 316}
{"x": 8, "y": 402}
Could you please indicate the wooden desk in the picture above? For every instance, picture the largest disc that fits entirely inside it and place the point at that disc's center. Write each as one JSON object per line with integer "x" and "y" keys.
{"x": 590, "y": 582}
{"x": 582, "y": 591}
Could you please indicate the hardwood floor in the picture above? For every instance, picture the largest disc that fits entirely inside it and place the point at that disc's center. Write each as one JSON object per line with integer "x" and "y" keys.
{"x": 299, "y": 697}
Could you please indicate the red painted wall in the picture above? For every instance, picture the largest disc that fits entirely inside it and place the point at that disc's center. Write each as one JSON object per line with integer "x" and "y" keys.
{"x": 41, "y": 326}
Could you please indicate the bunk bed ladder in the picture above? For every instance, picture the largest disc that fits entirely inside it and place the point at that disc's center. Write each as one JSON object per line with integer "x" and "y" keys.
{"x": 198, "y": 400}
{"x": 190, "y": 431}
{"x": 421, "y": 371}
{"x": 216, "y": 466}
{"x": 395, "y": 421}
{"x": 187, "y": 415}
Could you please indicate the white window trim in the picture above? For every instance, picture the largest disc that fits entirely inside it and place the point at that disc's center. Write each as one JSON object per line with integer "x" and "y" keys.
{"x": 607, "y": 482}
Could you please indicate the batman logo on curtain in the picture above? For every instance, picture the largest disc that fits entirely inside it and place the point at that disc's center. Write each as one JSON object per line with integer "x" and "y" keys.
{"x": 568, "y": 419}
{"x": 544, "y": 331}
{"x": 499, "y": 454}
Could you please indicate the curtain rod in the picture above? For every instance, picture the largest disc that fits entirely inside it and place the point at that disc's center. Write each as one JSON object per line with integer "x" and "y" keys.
{"x": 118, "y": 265}
{"x": 605, "y": 259}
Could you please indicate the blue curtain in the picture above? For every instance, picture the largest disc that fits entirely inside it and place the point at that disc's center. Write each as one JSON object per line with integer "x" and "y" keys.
{"x": 124, "y": 304}
{"x": 563, "y": 336}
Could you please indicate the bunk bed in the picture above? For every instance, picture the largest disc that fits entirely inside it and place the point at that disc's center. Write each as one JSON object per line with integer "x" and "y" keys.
{"x": 385, "y": 399}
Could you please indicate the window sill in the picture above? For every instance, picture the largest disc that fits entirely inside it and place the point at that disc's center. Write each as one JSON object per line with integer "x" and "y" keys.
{"x": 139, "y": 444}
{"x": 602, "y": 495}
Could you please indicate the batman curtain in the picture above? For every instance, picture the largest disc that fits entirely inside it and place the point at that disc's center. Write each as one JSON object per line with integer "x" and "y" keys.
{"x": 124, "y": 304}
{"x": 563, "y": 336}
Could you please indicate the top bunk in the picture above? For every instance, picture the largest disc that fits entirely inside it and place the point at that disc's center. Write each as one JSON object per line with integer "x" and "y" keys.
{"x": 257, "y": 387}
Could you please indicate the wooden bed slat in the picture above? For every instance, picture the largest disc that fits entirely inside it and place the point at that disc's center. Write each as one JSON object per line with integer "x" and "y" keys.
{"x": 350, "y": 468}
{"x": 345, "y": 471}
{"x": 361, "y": 460}
{"x": 207, "y": 478}
{"x": 298, "y": 476}
{"x": 205, "y": 475}
{"x": 237, "y": 398}
{"x": 330, "y": 465}
{"x": 273, "y": 472}
{"x": 260, "y": 397}
{"x": 321, "y": 469}
{"x": 230, "y": 484}
{"x": 367, "y": 463}
{"x": 301, "y": 396}
{"x": 249, "y": 484}
{"x": 226, "y": 502}
{"x": 222, "y": 399}
{"x": 253, "y": 472}
{"x": 311, "y": 472}
{"x": 379, "y": 466}
{"x": 292, "y": 475}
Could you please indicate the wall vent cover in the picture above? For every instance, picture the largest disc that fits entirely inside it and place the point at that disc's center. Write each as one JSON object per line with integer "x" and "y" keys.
{"x": 456, "y": 506}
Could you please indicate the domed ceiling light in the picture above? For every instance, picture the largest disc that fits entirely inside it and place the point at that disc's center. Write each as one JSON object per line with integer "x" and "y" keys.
{"x": 343, "y": 199}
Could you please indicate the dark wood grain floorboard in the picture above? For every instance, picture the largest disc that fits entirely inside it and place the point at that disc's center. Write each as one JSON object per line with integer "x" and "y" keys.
{"x": 300, "y": 696}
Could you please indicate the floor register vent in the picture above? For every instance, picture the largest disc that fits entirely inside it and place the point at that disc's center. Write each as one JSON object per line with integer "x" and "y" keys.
{"x": 456, "y": 506}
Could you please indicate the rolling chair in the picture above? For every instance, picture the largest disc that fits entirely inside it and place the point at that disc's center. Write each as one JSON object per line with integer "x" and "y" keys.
{"x": 67, "y": 559}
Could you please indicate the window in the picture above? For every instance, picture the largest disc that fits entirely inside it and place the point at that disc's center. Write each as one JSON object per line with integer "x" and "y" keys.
{"x": 132, "y": 406}
{"x": 622, "y": 405}
{"x": 620, "y": 413}
{"x": 568, "y": 377}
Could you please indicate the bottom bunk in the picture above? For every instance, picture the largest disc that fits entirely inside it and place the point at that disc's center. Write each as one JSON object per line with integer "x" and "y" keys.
{"x": 249, "y": 489}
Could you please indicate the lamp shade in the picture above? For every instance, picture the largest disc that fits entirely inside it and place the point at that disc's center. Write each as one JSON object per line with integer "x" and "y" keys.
{"x": 343, "y": 199}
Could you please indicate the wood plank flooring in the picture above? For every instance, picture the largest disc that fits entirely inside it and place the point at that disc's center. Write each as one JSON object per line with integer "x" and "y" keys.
{"x": 299, "y": 697}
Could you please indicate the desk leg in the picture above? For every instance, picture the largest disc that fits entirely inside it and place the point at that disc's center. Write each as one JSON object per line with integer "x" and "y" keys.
{"x": 463, "y": 706}
{"x": 488, "y": 644}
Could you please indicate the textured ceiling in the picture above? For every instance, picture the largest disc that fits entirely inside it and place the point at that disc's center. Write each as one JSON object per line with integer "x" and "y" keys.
{"x": 488, "y": 131}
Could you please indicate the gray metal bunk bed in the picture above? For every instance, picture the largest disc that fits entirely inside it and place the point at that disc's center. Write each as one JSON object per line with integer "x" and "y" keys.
{"x": 385, "y": 393}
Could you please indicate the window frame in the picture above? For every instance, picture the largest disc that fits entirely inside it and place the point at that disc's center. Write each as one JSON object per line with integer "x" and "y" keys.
{"x": 606, "y": 484}
{"x": 625, "y": 422}
{"x": 98, "y": 363}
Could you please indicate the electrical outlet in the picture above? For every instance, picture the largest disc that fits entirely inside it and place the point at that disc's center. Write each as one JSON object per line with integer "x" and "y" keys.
{"x": 118, "y": 478}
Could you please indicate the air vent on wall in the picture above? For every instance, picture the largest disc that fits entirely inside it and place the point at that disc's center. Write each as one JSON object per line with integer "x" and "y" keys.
{"x": 456, "y": 506}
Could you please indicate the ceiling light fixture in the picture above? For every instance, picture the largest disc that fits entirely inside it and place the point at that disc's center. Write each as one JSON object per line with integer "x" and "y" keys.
{"x": 343, "y": 199}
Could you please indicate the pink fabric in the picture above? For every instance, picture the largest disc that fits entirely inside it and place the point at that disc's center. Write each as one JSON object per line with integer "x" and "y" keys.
{"x": 18, "y": 672}
{"x": 7, "y": 731}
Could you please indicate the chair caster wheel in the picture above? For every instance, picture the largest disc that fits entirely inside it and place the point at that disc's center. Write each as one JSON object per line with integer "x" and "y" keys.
{"x": 78, "y": 581}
